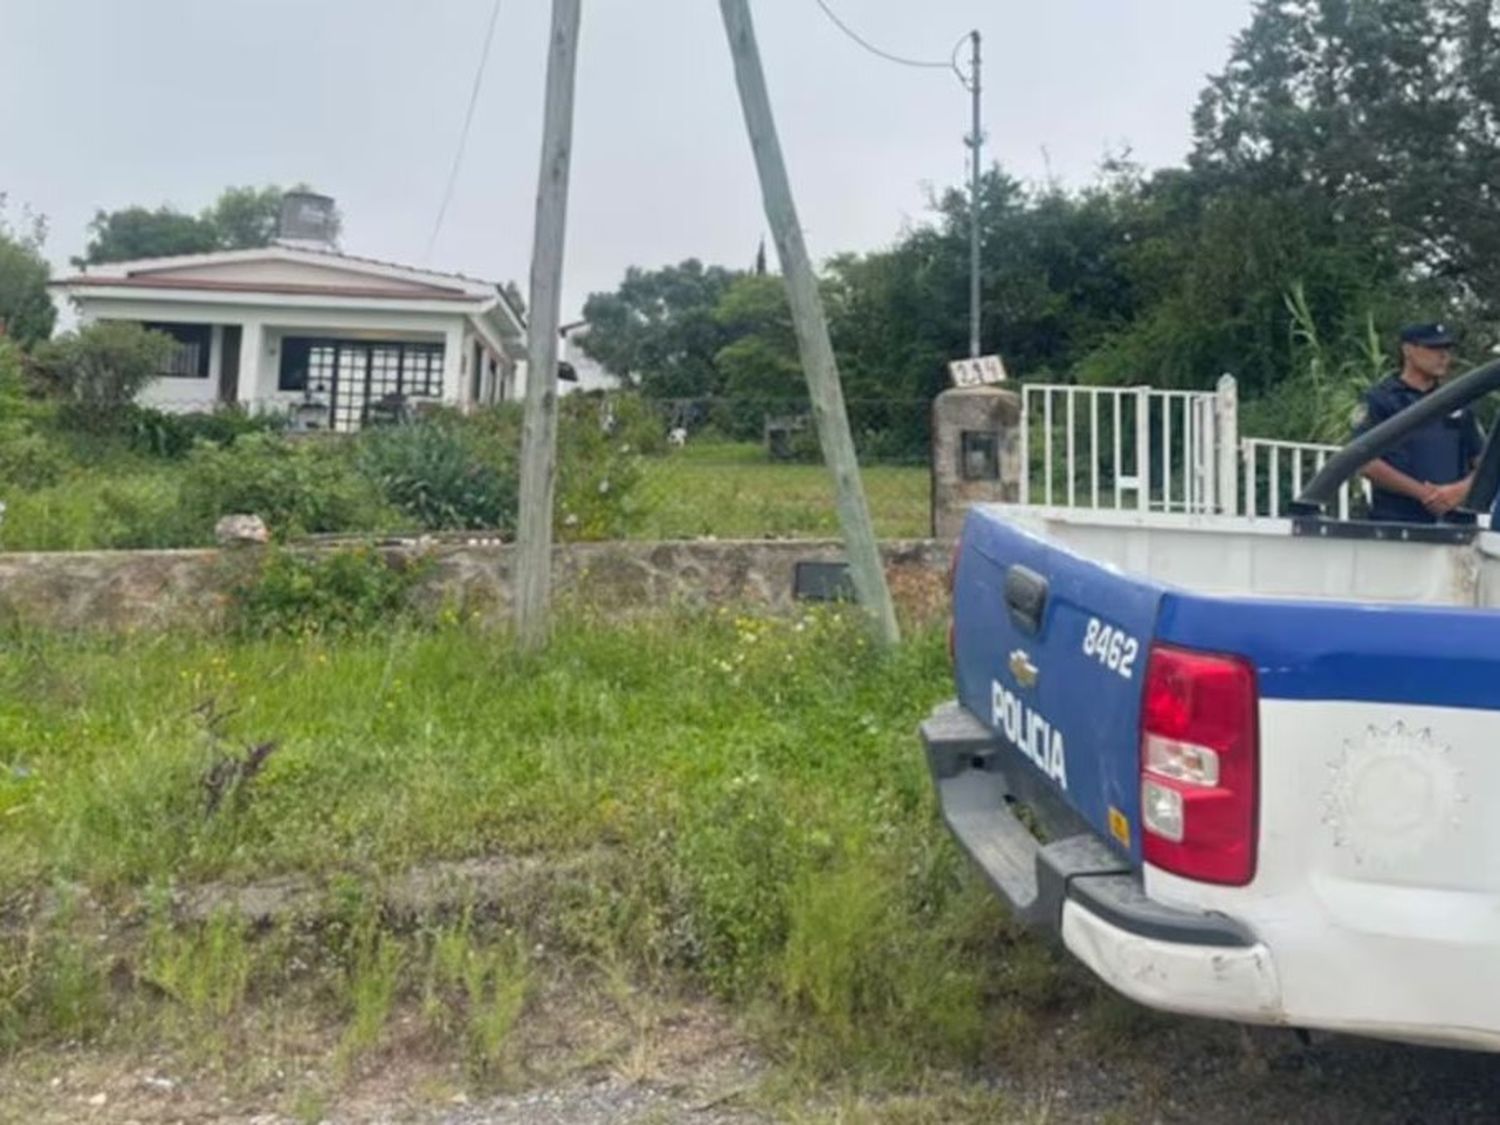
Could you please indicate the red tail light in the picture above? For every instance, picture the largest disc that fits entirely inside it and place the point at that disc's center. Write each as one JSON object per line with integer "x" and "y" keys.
{"x": 1199, "y": 746}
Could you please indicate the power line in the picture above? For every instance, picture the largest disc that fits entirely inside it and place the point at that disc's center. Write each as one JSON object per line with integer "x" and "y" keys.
{"x": 925, "y": 64}
{"x": 974, "y": 141}
{"x": 965, "y": 80}
{"x": 463, "y": 137}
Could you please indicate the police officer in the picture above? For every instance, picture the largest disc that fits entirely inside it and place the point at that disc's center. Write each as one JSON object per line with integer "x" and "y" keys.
{"x": 1426, "y": 477}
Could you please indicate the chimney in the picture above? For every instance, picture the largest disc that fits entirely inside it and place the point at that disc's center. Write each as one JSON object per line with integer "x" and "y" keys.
{"x": 308, "y": 221}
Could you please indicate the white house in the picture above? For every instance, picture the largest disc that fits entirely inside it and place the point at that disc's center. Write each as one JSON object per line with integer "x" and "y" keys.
{"x": 324, "y": 336}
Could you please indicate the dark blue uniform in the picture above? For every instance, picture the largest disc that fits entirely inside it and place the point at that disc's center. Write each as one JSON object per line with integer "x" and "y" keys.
{"x": 1441, "y": 452}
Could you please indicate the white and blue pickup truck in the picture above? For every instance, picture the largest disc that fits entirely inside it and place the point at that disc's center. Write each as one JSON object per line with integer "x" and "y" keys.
{"x": 1245, "y": 769}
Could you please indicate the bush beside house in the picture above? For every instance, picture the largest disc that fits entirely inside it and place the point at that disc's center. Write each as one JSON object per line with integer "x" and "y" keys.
{"x": 82, "y": 466}
{"x": 95, "y": 373}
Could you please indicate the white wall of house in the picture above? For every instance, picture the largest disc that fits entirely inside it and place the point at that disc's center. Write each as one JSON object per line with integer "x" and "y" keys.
{"x": 271, "y": 293}
{"x": 185, "y": 393}
{"x": 181, "y": 394}
{"x": 263, "y": 329}
{"x": 496, "y": 382}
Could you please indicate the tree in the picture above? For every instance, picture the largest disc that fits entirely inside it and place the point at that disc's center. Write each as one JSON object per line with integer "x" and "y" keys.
{"x": 1380, "y": 114}
{"x": 1055, "y": 285}
{"x": 1210, "y": 265}
{"x": 1347, "y": 153}
{"x": 896, "y": 317}
{"x": 241, "y": 218}
{"x": 759, "y": 369}
{"x": 137, "y": 232}
{"x": 658, "y": 331}
{"x": 26, "y": 310}
{"x": 1345, "y": 174}
{"x": 101, "y": 367}
{"x": 245, "y": 217}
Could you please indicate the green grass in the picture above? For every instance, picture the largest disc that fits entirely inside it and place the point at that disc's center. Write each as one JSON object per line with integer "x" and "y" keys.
{"x": 748, "y": 791}
{"x": 131, "y": 503}
{"x": 724, "y": 490}
{"x": 731, "y": 491}
{"x": 426, "y": 745}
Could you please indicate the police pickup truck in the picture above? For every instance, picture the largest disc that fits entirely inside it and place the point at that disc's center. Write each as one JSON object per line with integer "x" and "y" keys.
{"x": 1247, "y": 770}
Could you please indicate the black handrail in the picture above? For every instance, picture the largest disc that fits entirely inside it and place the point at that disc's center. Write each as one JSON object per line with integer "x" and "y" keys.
{"x": 1452, "y": 395}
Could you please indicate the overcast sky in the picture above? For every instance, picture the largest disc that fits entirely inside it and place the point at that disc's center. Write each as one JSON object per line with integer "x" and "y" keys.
{"x": 105, "y": 103}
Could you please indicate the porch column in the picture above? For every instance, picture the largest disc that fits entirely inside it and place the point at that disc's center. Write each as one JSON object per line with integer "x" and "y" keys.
{"x": 252, "y": 359}
{"x": 453, "y": 363}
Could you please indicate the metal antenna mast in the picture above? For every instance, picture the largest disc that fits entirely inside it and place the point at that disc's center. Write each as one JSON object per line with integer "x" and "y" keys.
{"x": 976, "y": 144}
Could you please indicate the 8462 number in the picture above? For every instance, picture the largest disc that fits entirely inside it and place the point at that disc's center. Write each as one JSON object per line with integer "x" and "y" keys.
{"x": 1114, "y": 648}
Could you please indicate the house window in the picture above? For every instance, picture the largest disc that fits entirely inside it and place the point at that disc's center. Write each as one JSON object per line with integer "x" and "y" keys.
{"x": 388, "y": 368}
{"x": 422, "y": 370}
{"x": 190, "y": 359}
{"x": 307, "y": 365}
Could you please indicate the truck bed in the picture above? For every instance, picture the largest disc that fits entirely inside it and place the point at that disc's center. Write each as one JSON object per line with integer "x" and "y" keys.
{"x": 1231, "y": 555}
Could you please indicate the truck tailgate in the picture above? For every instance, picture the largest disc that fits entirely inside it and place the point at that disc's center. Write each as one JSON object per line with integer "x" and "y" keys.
{"x": 1051, "y": 649}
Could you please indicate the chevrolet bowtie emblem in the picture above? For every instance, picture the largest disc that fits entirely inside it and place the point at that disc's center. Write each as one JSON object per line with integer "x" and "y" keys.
{"x": 1023, "y": 669}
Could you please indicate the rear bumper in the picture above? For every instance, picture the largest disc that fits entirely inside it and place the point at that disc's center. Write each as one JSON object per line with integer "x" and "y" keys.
{"x": 1077, "y": 887}
{"x": 1229, "y": 982}
{"x": 1427, "y": 974}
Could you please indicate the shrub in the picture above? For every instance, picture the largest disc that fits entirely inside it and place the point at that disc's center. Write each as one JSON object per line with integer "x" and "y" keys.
{"x": 435, "y": 472}
{"x": 28, "y": 460}
{"x": 100, "y": 368}
{"x": 597, "y": 476}
{"x": 173, "y": 436}
{"x": 297, "y": 487}
{"x": 338, "y": 592}
{"x": 145, "y": 512}
{"x": 14, "y": 404}
{"x": 636, "y": 423}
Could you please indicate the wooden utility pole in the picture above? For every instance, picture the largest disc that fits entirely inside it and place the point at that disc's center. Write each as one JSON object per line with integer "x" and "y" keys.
{"x": 816, "y": 350}
{"x": 539, "y": 430}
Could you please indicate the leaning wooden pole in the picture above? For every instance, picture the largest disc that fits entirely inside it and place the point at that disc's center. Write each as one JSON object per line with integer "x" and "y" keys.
{"x": 539, "y": 430}
{"x": 813, "y": 343}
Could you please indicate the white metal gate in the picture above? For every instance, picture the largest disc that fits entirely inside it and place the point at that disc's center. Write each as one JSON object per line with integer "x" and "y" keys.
{"x": 1276, "y": 471}
{"x": 1130, "y": 447}
{"x": 1160, "y": 451}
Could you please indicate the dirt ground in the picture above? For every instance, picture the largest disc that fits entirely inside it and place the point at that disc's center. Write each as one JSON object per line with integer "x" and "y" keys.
{"x": 652, "y": 1061}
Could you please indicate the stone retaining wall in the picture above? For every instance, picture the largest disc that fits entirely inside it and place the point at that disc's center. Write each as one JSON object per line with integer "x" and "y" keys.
{"x": 150, "y": 590}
